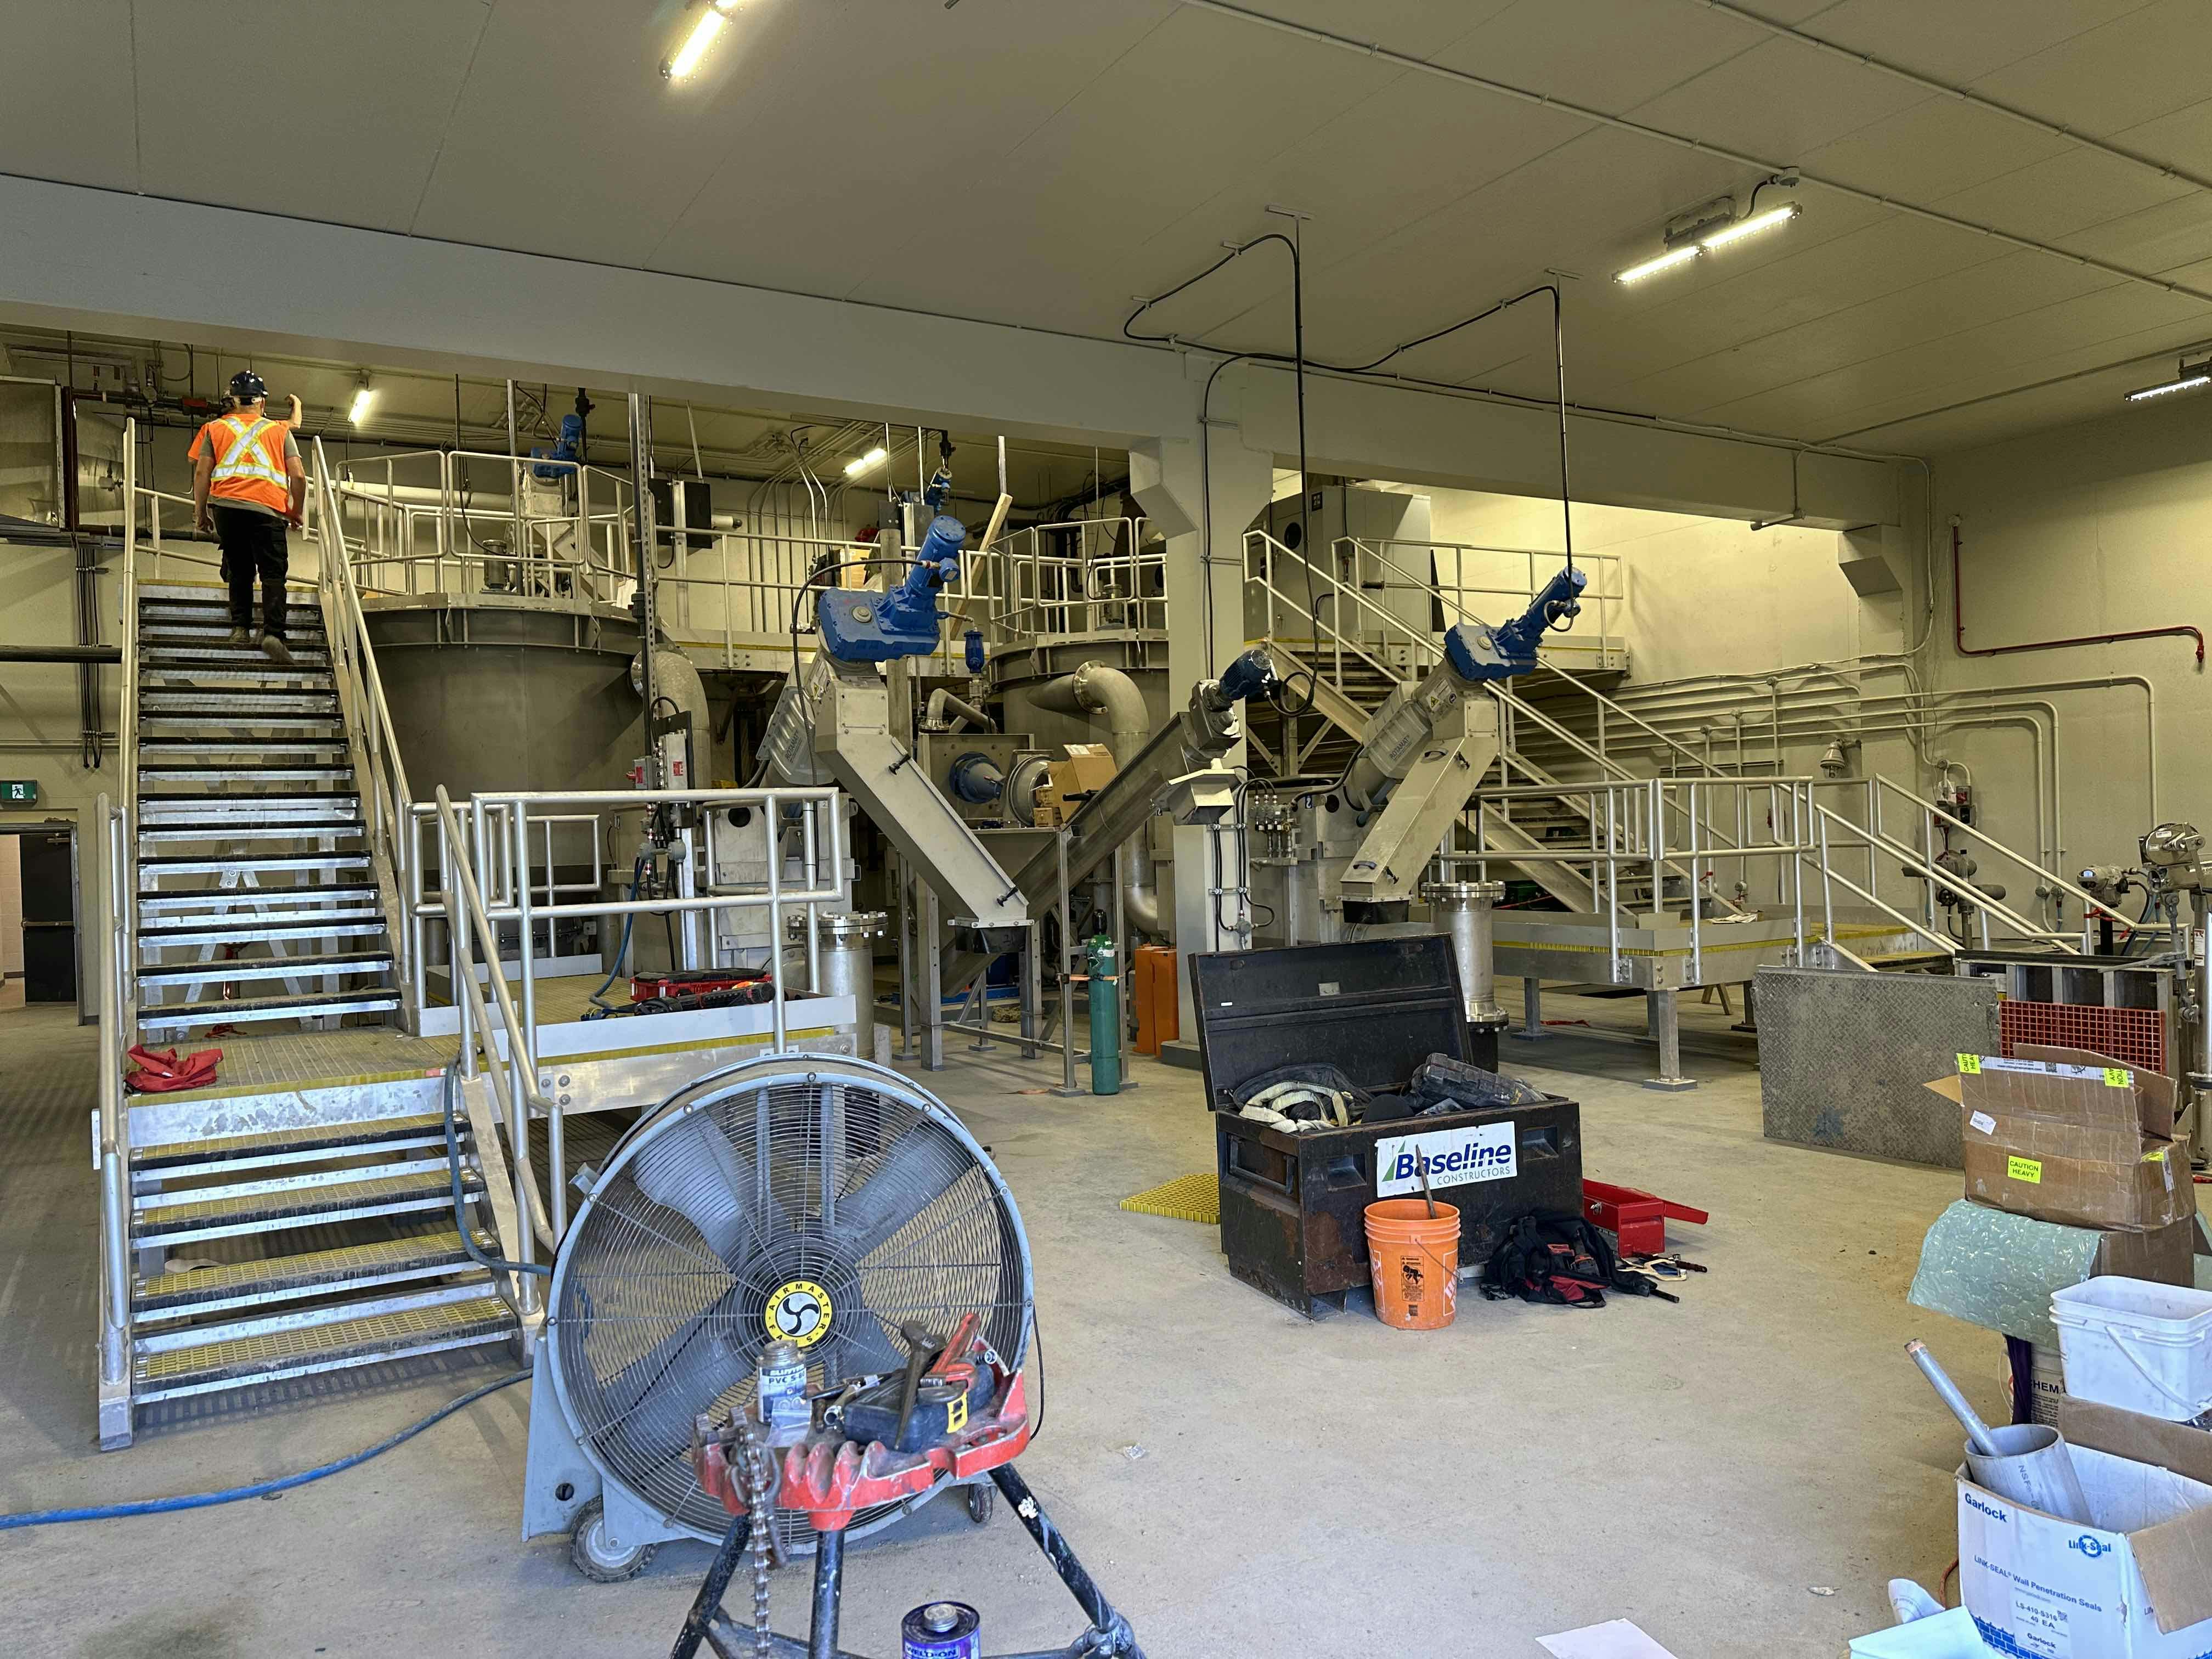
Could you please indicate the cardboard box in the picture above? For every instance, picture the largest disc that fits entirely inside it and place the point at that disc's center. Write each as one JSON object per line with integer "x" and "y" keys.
{"x": 2137, "y": 1585}
{"x": 1087, "y": 769}
{"x": 2066, "y": 1135}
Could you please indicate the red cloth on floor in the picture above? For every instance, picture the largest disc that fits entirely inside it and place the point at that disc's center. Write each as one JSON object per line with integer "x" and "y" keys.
{"x": 160, "y": 1071}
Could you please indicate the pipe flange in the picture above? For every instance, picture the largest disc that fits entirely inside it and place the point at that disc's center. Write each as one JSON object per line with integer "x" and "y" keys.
{"x": 841, "y": 927}
{"x": 1461, "y": 895}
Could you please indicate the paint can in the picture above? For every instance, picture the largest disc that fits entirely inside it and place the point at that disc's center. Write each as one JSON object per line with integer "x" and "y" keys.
{"x": 780, "y": 1389}
{"x": 941, "y": 1629}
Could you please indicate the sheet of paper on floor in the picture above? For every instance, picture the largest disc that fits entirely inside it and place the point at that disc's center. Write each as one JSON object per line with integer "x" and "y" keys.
{"x": 1614, "y": 1639}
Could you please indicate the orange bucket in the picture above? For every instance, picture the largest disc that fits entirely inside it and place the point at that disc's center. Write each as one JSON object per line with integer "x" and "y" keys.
{"x": 1413, "y": 1259}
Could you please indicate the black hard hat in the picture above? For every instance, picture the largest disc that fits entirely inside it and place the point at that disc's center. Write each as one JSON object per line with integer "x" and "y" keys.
{"x": 245, "y": 385}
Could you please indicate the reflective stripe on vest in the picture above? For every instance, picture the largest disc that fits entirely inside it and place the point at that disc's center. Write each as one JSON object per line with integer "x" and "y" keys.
{"x": 246, "y": 465}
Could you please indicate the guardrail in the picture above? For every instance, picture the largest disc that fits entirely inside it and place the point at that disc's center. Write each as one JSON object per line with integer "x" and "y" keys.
{"x": 485, "y": 846}
{"x": 568, "y": 535}
{"x": 386, "y": 798}
{"x": 1603, "y": 598}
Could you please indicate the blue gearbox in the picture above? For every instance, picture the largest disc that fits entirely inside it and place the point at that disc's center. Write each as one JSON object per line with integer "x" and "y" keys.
{"x": 864, "y": 625}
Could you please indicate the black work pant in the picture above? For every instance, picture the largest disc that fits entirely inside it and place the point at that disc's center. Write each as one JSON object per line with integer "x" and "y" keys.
{"x": 253, "y": 544}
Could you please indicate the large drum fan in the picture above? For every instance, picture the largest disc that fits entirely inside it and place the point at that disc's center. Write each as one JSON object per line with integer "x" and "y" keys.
{"x": 809, "y": 1197}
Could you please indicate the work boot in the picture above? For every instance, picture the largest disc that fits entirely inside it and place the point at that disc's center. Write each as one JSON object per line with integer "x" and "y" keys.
{"x": 279, "y": 653}
{"x": 239, "y": 636}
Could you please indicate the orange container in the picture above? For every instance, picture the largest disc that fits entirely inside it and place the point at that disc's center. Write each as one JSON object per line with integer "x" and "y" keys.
{"x": 1412, "y": 1260}
{"x": 1159, "y": 1017}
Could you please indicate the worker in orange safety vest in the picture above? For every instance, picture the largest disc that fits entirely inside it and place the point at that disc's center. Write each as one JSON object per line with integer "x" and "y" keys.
{"x": 248, "y": 485}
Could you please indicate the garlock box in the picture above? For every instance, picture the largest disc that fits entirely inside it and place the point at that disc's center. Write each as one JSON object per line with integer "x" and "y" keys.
{"x": 1294, "y": 1206}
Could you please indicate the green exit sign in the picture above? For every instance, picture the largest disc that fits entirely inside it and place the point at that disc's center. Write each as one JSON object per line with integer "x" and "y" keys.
{"x": 18, "y": 792}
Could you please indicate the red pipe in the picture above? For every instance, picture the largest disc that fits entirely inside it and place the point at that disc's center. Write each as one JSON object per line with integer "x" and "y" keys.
{"x": 1959, "y": 626}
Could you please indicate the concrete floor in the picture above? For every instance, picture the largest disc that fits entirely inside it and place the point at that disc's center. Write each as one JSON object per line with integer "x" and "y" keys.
{"x": 1737, "y": 1474}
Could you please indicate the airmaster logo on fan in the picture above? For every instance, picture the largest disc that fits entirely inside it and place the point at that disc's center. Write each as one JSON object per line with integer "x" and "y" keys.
{"x": 798, "y": 1312}
{"x": 1454, "y": 1157}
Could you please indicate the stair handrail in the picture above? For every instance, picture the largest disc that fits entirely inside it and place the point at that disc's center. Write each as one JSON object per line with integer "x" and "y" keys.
{"x": 390, "y": 815}
{"x": 1914, "y": 864}
{"x": 1421, "y": 643}
{"x": 2091, "y": 904}
{"x": 127, "y": 741}
{"x": 1704, "y": 767}
{"x": 513, "y": 1078}
{"x": 113, "y": 1158}
{"x": 1829, "y": 874}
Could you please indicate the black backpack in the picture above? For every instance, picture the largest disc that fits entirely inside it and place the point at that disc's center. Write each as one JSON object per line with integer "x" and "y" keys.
{"x": 1554, "y": 1256}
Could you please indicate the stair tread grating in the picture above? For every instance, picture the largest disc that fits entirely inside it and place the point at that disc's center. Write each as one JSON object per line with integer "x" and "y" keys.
{"x": 246, "y": 968}
{"x": 366, "y": 1132}
{"x": 189, "y": 1214}
{"x": 369, "y": 999}
{"x": 244, "y": 1360}
{"x": 336, "y": 1267}
{"x": 174, "y": 900}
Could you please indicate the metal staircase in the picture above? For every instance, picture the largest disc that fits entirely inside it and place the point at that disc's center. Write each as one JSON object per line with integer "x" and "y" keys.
{"x": 1531, "y": 807}
{"x": 255, "y": 1233}
{"x": 253, "y": 878}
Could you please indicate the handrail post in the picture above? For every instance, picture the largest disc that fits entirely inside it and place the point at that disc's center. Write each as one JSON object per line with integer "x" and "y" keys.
{"x": 1697, "y": 892}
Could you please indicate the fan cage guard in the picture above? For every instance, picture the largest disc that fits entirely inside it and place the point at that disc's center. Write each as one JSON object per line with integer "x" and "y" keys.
{"x": 874, "y": 1207}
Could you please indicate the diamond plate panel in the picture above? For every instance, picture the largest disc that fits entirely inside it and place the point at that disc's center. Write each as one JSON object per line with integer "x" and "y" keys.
{"x": 1843, "y": 1057}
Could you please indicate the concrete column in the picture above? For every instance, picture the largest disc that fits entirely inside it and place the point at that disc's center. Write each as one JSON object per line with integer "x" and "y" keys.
{"x": 1197, "y": 499}
{"x": 1188, "y": 495}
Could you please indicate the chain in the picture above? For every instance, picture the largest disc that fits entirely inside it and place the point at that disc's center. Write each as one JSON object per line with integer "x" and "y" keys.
{"x": 757, "y": 1479}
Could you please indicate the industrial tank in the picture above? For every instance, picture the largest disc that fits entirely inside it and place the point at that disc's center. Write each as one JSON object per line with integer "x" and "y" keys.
{"x": 486, "y": 697}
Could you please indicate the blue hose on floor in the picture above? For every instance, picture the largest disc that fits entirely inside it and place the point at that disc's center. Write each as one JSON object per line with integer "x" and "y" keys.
{"x": 260, "y": 1488}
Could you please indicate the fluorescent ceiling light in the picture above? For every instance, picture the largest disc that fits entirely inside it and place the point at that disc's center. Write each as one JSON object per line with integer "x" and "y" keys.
{"x": 861, "y": 463}
{"x": 1686, "y": 242}
{"x": 702, "y": 37}
{"x": 2188, "y": 378}
{"x": 1751, "y": 227}
{"x": 363, "y": 396}
{"x": 1664, "y": 262}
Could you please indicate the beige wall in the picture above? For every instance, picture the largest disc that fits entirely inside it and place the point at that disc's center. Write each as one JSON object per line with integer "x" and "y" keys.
{"x": 2090, "y": 529}
{"x": 1700, "y": 596}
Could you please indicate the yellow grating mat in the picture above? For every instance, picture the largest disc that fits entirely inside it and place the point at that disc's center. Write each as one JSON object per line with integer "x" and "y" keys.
{"x": 1186, "y": 1198}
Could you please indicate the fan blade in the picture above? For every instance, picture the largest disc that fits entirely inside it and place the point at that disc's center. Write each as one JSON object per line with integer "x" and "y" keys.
{"x": 914, "y": 1174}
{"x": 652, "y": 1400}
{"x": 861, "y": 1347}
{"x": 694, "y": 1170}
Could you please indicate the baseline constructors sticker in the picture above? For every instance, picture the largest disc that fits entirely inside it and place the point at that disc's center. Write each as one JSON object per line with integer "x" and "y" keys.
{"x": 1484, "y": 1151}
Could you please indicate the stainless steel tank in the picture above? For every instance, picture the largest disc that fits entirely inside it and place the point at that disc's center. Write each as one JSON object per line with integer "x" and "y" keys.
{"x": 490, "y": 697}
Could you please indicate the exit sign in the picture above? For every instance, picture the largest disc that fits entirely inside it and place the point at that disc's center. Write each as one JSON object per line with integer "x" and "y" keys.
{"x": 18, "y": 791}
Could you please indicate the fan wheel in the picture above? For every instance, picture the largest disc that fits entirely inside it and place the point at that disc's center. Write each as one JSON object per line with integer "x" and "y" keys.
{"x": 594, "y": 1555}
{"x": 981, "y": 1501}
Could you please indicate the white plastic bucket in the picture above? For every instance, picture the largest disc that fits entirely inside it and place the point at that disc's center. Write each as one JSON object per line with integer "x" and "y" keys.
{"x": 2141, "y": 1346}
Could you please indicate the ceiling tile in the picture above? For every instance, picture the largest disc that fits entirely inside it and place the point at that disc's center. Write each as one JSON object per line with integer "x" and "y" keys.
{"x": 1958, "y": 39}
{"x": 1612, "y": 55}
{"x": 2129, "y": 70}
{"x": 1779, "y": 101}
{"x": 348, "y": 102}
{"x": 74, "y": 122}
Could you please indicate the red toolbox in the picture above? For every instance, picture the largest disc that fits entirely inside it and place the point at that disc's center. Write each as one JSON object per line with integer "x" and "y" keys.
{"x": 1637, "y": 1218}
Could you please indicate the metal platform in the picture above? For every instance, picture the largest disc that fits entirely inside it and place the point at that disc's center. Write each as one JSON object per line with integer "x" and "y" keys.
{"x": 1661, "y": 953}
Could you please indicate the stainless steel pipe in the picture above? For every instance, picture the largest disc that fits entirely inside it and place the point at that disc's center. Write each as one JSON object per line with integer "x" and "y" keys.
{"x": 1466, "y": 910}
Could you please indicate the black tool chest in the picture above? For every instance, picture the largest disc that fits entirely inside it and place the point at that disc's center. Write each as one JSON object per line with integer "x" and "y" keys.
{"x": 1294, "y": 1206}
